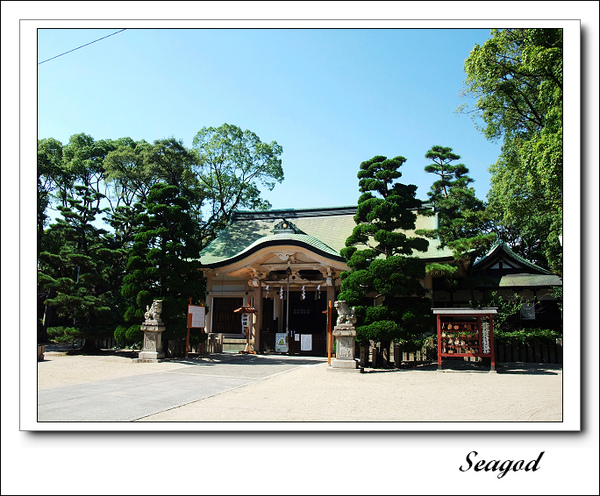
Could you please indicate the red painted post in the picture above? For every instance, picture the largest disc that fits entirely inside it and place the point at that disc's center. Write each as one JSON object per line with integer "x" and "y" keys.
{"x": 439, "y": 334}
{"x": 329, "y": 323}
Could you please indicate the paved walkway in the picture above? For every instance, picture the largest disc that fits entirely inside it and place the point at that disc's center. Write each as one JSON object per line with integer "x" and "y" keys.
{"x": 257, "y": 388}
{"x": 134, "y": 397}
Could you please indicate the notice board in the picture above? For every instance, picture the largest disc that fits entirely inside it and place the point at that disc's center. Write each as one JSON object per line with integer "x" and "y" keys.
{"x": 197, "y": 314}
{"x": 281, "y": 344}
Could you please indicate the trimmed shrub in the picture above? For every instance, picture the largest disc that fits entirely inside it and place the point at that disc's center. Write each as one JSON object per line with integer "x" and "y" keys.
{"x": 135, "y": 336}
{"x": 63, "y": 334}
{"x": 120, "y": 336}
{"x": 528, "y": 335}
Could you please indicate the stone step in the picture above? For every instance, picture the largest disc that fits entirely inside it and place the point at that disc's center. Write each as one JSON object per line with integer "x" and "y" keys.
{"x": 233, "y": 345}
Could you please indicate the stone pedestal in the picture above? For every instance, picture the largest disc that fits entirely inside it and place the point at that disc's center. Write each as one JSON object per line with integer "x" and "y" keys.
{"x": 344, "y": 350}
{"x": 152, "y": 350}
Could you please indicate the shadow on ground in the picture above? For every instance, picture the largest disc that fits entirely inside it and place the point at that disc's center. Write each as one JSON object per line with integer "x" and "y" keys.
{"x": 246, "y": 359}
{"x": 470, "y": 367}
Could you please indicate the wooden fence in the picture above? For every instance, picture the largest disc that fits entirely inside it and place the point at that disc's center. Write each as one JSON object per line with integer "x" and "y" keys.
{"x": 514, "y": 351}
{"x": 535, "y": 352}
{"x": 176, "y": 348}
{"x": 106, "y": 342}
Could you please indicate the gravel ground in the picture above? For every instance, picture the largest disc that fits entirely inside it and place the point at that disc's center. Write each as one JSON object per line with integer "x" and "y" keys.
{"x": 517, "y": 392}
{"x": 317, "y": 394}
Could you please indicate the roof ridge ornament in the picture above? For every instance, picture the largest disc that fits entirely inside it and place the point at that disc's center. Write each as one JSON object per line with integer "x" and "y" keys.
{"x": 285, "y": 226}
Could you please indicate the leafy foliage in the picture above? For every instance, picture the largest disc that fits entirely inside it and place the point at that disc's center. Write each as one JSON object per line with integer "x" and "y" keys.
{"x": 231, "y": 165}
{"x": 508, "y": 306}
{"x": 64, "y": 334}
{"x": 528, "y": 335}
{"x": 515, "y": 79}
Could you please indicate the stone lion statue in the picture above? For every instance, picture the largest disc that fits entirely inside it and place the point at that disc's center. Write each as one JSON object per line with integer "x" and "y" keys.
{"x": 153, "y": 312}
{"x": 345, "y": 315}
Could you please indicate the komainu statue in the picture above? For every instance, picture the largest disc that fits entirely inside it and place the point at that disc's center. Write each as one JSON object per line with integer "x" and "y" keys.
{"x": 345, "y": 315}
{"x": 153, "y": 313}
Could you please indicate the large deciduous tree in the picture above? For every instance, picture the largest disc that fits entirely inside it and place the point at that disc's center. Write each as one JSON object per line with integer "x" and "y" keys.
{"x": 383, "y": 282}
{"x": 515, "y": 79}
{"x": 231, "y": 167}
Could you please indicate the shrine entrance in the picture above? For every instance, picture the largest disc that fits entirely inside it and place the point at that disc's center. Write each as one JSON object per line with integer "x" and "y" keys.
{"x": 306, "y": 322}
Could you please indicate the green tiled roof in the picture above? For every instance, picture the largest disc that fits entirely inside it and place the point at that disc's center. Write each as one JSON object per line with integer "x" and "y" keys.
{"x": 529, "y": 280}
{"x": 502, "y": 246}
{"x": 293, "y": 238}
{"x": 326, "y": 230}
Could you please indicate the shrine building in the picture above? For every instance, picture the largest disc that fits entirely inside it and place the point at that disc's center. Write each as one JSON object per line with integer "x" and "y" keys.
{"x": 286, "y": 265}
{"x": 262, "y": 258}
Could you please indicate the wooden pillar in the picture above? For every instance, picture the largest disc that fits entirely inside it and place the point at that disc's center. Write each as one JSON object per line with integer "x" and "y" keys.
{"x": 331, "y": 298}
{"x": 331, "y": 293}
{"x": 258, "y": 317}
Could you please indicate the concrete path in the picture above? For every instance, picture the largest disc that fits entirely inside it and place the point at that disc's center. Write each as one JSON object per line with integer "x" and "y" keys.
{"x": 135, "y": 397}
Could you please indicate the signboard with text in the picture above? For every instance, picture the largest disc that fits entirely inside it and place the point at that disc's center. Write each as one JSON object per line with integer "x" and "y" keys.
{"x": 245, "y": 320}
{"x": 306, "y": 342}
{"x": 196, "y": 316}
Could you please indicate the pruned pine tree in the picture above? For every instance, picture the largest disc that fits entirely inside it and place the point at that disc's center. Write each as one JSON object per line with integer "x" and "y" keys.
{"x": 76, "y": 276}
{"x": 384, "y": 280}
{"x": 463, "y": 223}
{"x": 164, "y": 260}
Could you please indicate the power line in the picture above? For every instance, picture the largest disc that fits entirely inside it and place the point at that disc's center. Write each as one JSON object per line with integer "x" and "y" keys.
{"x": 103, "y": 38}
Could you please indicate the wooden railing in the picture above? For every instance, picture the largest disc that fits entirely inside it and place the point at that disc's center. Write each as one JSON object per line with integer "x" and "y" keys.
{"x": 535, "y": 352}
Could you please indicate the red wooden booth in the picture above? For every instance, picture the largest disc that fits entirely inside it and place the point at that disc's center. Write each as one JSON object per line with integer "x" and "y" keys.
{"x": 465, "y": 332}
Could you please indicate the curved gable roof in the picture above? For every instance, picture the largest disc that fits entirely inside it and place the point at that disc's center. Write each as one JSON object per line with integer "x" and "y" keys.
{"x": 300, "y": 240}
{"x": 500, "y": 250}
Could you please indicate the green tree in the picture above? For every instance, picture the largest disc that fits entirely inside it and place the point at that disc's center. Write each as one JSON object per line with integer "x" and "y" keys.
{"x": 164, "y": 260}
{"x": 515, "y": 80}
{"x": 76, "y": 276}
{"x": 463, "y": 223}
{"x": 83, "y": 159}
{"x": 49, "y": 173}
{"x": 127, "y": 172}
{"x": 231, "y": 166}
{"x": 383, "y": 282}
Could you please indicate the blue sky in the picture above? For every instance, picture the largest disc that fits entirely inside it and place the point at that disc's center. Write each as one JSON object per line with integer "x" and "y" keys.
{"x": 331, "y": 98}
